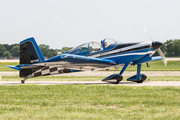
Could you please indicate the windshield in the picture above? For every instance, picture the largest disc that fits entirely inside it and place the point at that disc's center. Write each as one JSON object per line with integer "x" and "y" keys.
{"x": 80, "y": 46}
{"x": 94, "y": 47}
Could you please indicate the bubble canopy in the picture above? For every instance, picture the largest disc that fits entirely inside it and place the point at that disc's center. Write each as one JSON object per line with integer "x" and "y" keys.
{"x": 93, "y": 47}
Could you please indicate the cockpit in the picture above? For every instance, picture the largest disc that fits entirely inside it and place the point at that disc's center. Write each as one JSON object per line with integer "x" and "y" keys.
{"x": 93, "y": 47}
{"x": 108, "y": 43}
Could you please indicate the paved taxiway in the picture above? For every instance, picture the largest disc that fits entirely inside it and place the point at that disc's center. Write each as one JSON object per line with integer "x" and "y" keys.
{"x": 122, "y": 83}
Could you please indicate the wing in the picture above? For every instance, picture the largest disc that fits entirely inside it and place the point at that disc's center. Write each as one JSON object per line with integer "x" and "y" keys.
{"x": 70, "y": 61}
{"x": 62, "y": 64}
{"x": 32, "y": 62}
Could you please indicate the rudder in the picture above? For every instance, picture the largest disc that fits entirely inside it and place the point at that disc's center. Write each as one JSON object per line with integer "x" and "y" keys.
{"x": 30, "y": 52}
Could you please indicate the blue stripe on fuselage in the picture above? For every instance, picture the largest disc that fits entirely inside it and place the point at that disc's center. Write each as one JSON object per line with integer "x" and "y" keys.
{"x": 129, "y": 56}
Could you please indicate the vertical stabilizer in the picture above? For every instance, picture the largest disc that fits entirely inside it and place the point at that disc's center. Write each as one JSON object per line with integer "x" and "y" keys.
{"x": 30, "y": 52}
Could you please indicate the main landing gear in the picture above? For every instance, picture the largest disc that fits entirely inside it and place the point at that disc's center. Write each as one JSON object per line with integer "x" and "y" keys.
{"x": 143, "y": 78}
{"x": 116, "y": 78}
{"x": 139, "y": 78}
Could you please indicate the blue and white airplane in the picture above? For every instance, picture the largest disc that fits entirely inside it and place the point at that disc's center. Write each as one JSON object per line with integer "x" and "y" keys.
{"x": 88, "y": 56}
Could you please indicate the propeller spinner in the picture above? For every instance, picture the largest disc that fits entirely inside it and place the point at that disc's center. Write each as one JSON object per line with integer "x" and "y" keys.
{"x": 156, "y": 46}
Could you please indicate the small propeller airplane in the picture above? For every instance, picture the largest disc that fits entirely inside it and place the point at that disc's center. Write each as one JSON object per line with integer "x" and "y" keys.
{"x": 88, "y": 56}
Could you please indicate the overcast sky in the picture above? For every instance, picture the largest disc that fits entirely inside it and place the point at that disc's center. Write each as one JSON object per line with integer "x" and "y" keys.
{"x": 68, "y": 23}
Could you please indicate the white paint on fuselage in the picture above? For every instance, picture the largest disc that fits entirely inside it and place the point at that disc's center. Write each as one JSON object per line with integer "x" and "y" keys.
{"x": 142, "y": 44}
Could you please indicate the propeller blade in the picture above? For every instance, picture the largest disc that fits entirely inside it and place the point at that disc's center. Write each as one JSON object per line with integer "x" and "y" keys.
{"x": 146, "y": 31}
{"x": 162, "y": 55}
{"x": 158, "y": 50}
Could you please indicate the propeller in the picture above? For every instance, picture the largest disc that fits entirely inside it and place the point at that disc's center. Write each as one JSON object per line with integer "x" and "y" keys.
{"x": 158, "y": 49}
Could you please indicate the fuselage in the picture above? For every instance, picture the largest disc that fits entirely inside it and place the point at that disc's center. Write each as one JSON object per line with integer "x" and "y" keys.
{"x": 121, "y": 53}
{"x": 93, "y": 55}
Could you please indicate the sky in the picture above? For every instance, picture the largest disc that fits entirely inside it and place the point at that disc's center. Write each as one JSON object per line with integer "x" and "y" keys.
{"x": 69, "y": 23}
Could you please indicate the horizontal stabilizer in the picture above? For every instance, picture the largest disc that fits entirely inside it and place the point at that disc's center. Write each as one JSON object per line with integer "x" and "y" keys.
{"x": 15, "y": 67}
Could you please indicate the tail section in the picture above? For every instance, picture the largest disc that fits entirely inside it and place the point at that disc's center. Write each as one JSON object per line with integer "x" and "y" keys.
{"x": 30, "y": 52}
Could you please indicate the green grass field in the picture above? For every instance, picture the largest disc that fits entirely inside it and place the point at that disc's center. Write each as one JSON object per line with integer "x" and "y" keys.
{"x": 86, "y": 78}
{"x": 87, "y": 102}
{"x": 154, "y": 66}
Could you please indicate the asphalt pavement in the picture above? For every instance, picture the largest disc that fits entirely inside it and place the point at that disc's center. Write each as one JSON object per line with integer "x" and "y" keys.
{"x": 122, "y": 83}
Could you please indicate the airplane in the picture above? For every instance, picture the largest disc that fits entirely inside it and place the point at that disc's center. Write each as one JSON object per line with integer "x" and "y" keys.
{"x": 88, "y": 56}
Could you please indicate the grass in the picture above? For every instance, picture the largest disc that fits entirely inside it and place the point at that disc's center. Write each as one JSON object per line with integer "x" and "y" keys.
{"x": 3, "y": 66}
{"x": 86, "y": 78}
{"x": 89, "y": 102}
{"x": 154, "y": 66}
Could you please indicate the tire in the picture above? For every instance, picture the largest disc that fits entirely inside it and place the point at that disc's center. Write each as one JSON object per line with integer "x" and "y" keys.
{"x": 143, "y": 78}
{"x": 118, "y": 78}
{"x": 22, "y": 81}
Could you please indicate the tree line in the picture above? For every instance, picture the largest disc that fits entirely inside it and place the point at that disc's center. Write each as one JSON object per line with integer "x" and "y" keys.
{"x": 170, "y": 48}
{"x": 12, "y": 51}
{"x": 9, "y": 51}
